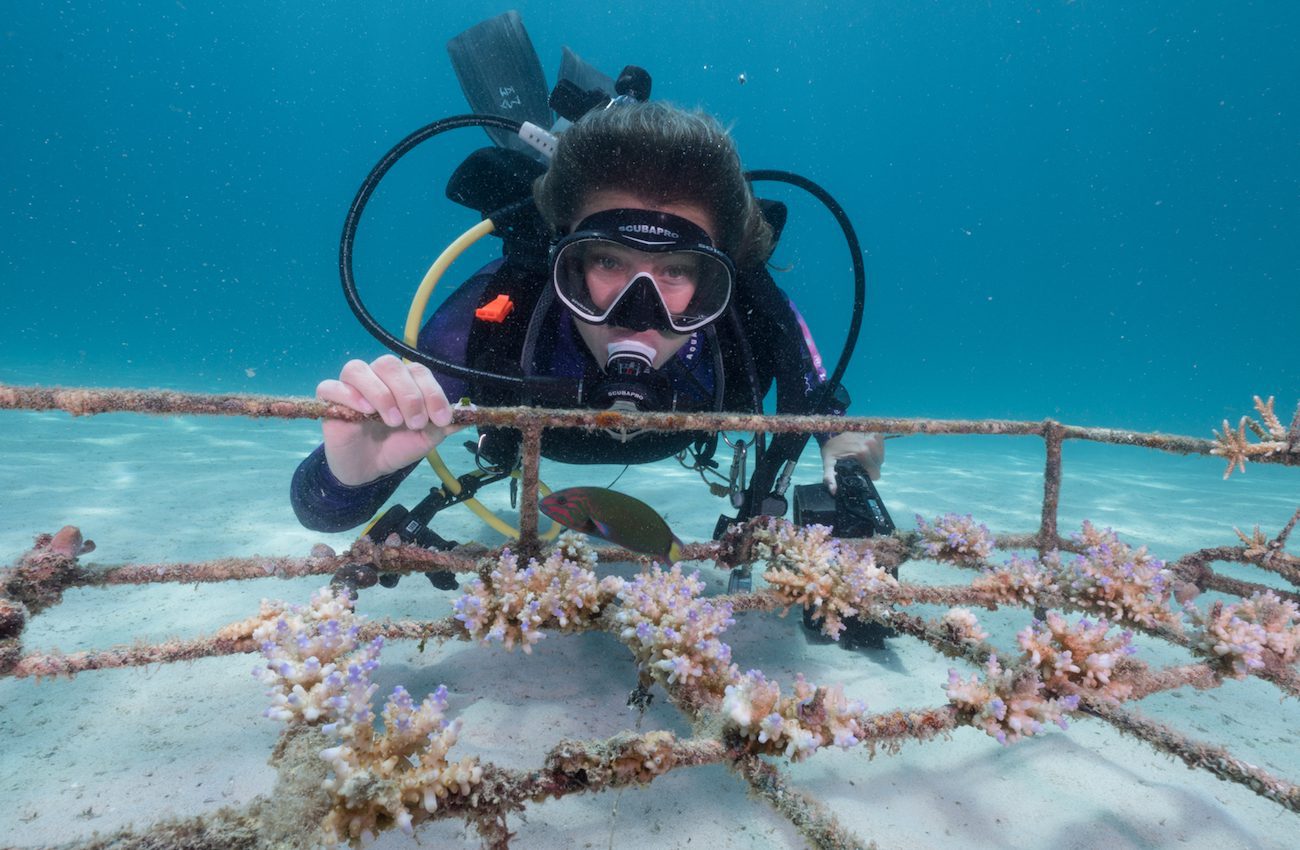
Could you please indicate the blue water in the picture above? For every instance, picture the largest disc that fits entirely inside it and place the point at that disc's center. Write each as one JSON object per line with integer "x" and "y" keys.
{"x": 1078, "y": 210}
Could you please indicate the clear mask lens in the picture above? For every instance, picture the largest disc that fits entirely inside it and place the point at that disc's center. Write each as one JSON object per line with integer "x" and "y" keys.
{"x": 593, "y": 274}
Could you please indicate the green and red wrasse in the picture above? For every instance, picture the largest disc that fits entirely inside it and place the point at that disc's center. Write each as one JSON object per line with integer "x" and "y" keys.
{"x": 616, "y": 517}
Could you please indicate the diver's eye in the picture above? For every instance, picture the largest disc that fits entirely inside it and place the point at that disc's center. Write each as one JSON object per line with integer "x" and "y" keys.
{"x": 604, "y": 262}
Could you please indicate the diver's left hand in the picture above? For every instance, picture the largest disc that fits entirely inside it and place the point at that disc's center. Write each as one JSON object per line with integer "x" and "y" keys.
{"x": 866, "y": 449}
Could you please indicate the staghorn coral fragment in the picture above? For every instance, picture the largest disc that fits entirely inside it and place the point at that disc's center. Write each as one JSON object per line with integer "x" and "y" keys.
{"x": 1114, "y": 580}
{"x": 320, "y": 674}
{"x": 961, "y": 626}
{"x": 956, "y": 539}
{"x": 674, "y": 633}
{"x": 1008, "y": 704}
{"x": 1236, "y": 447}
{"x": 514, "y": 606}
{"x": 1080, "y": 658}
{"x": 303, "y": 647}
{"x": 1257, "y": 544}
{"x": 1245, "y": 636}
{"x": 807, "y": 567}
{"x": 795, "y": 726}
{"x": 1020, "y": 580}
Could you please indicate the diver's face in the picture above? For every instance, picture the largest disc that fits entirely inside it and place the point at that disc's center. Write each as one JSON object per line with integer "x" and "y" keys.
{"x": 606, "y": 279}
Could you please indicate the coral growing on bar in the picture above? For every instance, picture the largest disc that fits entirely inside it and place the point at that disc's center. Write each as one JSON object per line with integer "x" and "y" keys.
{"x": 674, "y": 633}
{"x": 1077, "y": 657}
{"x": 1236, "y": 447}
{"x": 303, "y": 646}
{"x": 1241, "y": 635}
{"x": 1111, "y": 578}
{"x": 1008, "y": 704}
{"x": 397, "y": 777}
{"x": 954, "y": 538}
{"x": 806, "y": 566}
{"x": 961, "y": 626}
{"x": 514, "y": 605}
{"x": 1019, "y": 581}
{"x": 320, "y": 673}
{"x": 796, "y": 726}
{"x": 43, "y": 572}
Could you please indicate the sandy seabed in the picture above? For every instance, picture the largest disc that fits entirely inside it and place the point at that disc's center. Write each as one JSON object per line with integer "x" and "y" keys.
{"x": 114, "y": 748}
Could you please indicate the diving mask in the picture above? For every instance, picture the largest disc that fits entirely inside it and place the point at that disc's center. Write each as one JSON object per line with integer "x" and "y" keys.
{"x": 641, "y": 270}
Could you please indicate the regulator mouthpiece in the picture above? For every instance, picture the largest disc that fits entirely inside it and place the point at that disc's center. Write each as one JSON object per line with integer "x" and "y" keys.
{"x": 631, "y": 383}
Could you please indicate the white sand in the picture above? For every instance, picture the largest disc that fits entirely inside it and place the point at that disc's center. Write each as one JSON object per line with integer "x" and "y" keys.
{"x": 117, "y": 747}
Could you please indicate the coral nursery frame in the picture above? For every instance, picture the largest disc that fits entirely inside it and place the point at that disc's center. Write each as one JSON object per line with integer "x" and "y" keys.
{"x": 739, "y": 721}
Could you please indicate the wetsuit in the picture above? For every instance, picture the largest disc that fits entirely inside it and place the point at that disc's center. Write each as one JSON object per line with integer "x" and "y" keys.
{"x": 779, "y": 349}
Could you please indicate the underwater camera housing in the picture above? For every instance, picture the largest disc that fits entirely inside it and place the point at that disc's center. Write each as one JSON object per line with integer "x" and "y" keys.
{"x": 856, "y": 509}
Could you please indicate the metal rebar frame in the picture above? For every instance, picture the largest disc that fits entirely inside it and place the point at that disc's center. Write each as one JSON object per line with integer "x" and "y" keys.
{"x": 25, "y": 592}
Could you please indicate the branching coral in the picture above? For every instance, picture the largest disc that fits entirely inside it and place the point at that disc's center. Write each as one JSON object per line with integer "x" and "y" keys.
{"x": 674, "y": 633}
{"x": 303, "y": 647}
{"x": 319, "y": 673}
{"x": 1112, "y": 579}
{"x": 1274, "y": 438}
{"x": 1257, "y": 544}
{"x": 1008, "y": 704}
{"x": 514, "y": 606}
{"x": 807, "y": 567}
{"x": 960, "y": 626}
{"x": 1244, "y": 635}
{"x": 954, "y": 538}
{"x": 396, "y": 778}
{"x": 795, "y": 726}
{"x": 1060, "y": 664}
{"x": 1019, "y": 581}
{"x": 1077, "y": 658}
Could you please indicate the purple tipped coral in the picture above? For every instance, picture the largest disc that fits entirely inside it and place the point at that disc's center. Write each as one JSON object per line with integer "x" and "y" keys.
{"x": 1119, "y": 582}
{"x": 795, "y": 726}
{"x": 673, "y": 632}
{"x": 1008, "y": 704}
{"x": 1079, "y": 657}
{"x": 808, "y": 567}
{"x": 1242, "y": 636}
{"x": 955, "y": 538}
{"x": 319, "y": 672}
{"x": 514, "y": 605}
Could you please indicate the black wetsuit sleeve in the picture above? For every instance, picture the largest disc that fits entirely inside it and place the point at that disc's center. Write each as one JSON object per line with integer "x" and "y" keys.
{"x": 322, "y": 502}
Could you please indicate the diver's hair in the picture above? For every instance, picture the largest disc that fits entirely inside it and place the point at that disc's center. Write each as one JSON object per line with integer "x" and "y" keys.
{"x": 664, "y": 154}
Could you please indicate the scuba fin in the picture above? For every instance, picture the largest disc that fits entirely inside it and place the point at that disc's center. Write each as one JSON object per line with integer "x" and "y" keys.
{"x": 501, "y": 75}
{"x": 583, "y": 74}
{"x": 577, "y": 72}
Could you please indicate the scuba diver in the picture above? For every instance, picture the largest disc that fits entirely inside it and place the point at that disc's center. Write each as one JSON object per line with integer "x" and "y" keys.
{"x": 633, "y": 277}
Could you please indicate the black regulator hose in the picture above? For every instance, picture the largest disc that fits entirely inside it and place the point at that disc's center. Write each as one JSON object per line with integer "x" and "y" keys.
{"x": 346, "y": 242}
{"x": 788, "y": 447}
{"x": 859, "y": 272}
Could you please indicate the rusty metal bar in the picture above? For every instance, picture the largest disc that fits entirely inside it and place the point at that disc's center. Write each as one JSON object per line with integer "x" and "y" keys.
{"x": 88, "y": 402}
{"x": 1047, "y": 532}
{"x": 532, "y": 454}
{"x": 1215, "y": 759}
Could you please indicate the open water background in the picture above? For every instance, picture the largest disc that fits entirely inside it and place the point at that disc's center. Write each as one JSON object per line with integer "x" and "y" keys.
{"x": 1083, "y": 210}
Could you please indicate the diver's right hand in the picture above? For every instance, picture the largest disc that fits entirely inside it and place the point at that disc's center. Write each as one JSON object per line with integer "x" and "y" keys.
{"x": 414, "y": 416}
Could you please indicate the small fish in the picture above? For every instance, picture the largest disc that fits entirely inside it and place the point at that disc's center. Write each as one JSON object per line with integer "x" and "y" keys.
{"x": 613, "y": 516}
